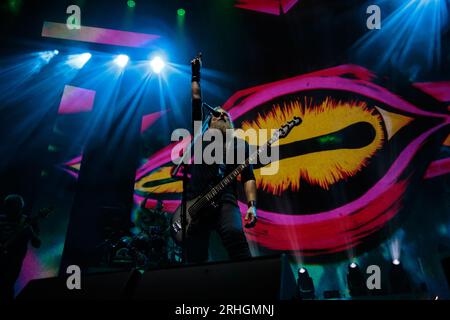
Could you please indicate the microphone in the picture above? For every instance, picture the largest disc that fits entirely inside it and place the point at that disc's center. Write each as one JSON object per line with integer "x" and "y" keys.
{"x": 198, "y": 57}
{"x": 212, "y": 110}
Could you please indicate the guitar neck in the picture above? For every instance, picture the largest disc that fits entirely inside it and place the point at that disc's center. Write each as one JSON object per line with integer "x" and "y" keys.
{"x": 230, "y": 177}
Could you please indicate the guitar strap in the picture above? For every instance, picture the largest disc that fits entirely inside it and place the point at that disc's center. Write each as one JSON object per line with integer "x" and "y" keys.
{"x": 222, "y": 166}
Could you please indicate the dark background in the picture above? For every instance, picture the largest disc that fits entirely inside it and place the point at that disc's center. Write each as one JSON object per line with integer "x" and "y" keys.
{"x": 241, "y": 49}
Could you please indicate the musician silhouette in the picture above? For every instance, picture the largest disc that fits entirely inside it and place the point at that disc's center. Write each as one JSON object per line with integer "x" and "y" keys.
{"x": 15, "y": 235}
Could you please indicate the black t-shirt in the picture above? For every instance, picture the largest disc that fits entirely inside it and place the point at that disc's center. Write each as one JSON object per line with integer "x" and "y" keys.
{"x": 205, "y": 176}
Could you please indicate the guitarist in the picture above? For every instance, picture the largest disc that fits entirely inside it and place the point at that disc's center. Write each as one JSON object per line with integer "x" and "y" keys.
{"x": 12, "y": 221}
{"x": 226, "y": 218}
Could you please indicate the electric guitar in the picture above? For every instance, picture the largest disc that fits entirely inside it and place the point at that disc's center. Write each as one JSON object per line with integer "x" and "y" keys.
{"x": 194, "y": 207}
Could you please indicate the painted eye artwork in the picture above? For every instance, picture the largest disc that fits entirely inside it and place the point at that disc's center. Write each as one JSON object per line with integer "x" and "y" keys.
{"x": 348, "y": 169}
{"x": 99, "y": 102}
{"x": 345, "y": 171}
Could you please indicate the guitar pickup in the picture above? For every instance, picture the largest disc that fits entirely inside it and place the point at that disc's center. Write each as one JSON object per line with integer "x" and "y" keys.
{"x": 176, "y": 226}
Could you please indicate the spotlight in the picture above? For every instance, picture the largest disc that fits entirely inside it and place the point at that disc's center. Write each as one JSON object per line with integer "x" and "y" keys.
{"x": 131, "y": 3}
{"x": 121, "y": 60}
{"x": 355, "y": 281}
{"x": 157, "y": 64}
{"x": 55, "y": 52}
{"x": 305, "y": 285}
{"x": 399, "y": 280}
{"x": 85, "y": 56}
{"x": 47, "y": 55}
{"x": 77, "y": 61}
{"x": 181, "y": 12}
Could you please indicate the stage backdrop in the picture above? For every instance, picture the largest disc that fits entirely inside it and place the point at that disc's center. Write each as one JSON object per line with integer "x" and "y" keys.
{"x": 363, "y": 179}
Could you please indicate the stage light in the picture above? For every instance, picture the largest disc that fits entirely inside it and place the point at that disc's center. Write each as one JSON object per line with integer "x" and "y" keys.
{"x": 355, "y": 281}
{"x": 399, "y": 280}
{"x": 181, "y": 12}
{"x": 157, "y": 64}
{"x": 14, "y": 6}
{"x": 305, "y": 285}
{"x": 55, "y": 52}
{"x": 121, "y": 60}
{"x": 131, "y": 3}
{"x": 409, "y": 41}
{"x": 86, "y": 56}
{"x": 47, "y": 55}
{"x": 395, "y": 245}
{"x": 79, "y": 60}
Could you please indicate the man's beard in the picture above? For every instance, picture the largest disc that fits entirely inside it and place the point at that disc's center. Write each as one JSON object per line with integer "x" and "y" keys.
{"x": 222, "y": 126}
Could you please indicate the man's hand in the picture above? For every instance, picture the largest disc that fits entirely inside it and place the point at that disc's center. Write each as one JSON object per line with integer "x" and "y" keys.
{"x": 250, "y": 217}
{"x": 196, "y": 65}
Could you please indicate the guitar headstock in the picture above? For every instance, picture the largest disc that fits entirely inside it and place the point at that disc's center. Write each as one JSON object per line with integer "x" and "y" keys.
{"x": 286, "y": 128}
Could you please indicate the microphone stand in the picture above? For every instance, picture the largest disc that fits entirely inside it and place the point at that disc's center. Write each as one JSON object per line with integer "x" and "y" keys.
{"x": 184, "y": 163}
{"x": 211, "y": 109}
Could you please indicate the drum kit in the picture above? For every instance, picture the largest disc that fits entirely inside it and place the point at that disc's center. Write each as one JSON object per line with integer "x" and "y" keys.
{"x": 149, "y": 246}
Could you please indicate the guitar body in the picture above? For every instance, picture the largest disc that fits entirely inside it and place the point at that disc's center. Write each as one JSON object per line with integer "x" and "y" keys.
{"x": 198, "y": 207}
{"x": 192, "y": 219}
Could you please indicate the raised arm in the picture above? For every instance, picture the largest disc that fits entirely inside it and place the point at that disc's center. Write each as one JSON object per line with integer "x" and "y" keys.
{"x": 196, "y": 90}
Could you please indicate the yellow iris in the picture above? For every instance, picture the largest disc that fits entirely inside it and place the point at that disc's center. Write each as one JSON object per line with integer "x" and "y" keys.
{"x": 160, "y": 174}
{"x": 322, "y": 168}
